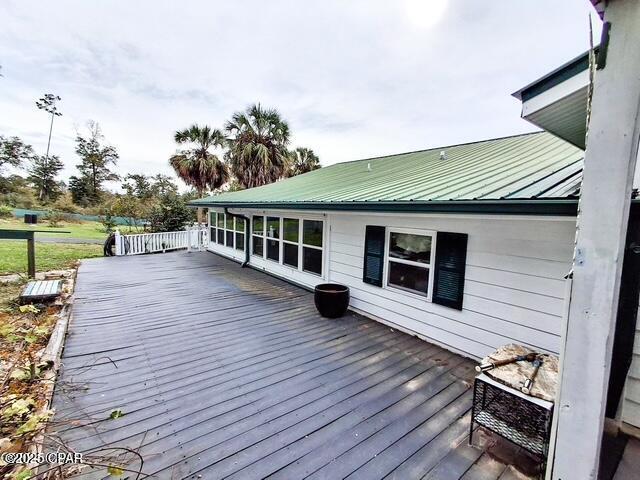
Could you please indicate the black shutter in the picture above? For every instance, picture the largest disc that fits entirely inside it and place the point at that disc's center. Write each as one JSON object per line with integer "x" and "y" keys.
{"x": 373, "y": 255}
{"x": 451, "y": 256}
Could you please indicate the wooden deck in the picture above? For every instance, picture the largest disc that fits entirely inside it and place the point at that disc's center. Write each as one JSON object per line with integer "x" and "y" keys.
{"x": 224, "y": 372}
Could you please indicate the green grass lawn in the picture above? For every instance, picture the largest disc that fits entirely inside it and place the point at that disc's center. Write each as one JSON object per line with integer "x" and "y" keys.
{"x": 85, "y": 230}
{"x": 49, "y": 256}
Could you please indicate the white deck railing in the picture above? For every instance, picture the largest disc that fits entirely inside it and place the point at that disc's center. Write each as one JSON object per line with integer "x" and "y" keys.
{"x": 193, "y": 238}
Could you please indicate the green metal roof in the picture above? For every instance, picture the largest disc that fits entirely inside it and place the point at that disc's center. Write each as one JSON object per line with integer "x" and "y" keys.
{"x": 516, "y": 170}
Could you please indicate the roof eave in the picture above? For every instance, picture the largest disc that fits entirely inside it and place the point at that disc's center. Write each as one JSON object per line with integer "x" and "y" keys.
{"x": 563, "y": 72}
{"x": 555, "y": 207}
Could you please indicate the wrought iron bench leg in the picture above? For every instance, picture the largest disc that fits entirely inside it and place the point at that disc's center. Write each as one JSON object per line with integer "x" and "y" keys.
{"x": 473, "y": 413}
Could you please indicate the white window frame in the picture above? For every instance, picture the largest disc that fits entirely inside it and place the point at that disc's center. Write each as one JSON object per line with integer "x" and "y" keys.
{"x": 235, "y": 232}
{"x": 300, "y": 243}
{"x": 261, "y": 235}
{"x": 232, "y": 230}
{"x": 412, "y": 231}
{"x": 212, "y": 241}
{"x": 224, "y": 229}
{"x": 267, "y": 238}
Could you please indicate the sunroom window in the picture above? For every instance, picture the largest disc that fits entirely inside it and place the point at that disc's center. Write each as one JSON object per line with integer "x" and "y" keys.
{"x": 409, "y": 261}
{"x": 290, "y": 239}
{"x": 312, "y": 232}
{"x": 212, "y": 226}
{"x": 292, "y": 242}
{"x": 257, "y": 238}
{"x": 239, "y": 233}
{"x": 220, "y": 223}
{"x": 229, "y": 230}
{"x": 273, "y": 238}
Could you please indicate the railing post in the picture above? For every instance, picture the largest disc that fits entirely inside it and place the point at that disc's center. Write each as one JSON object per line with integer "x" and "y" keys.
{"x": 189, "y": 238}
{"x": 31, "y": 256}
{"x": 118, "y": 240}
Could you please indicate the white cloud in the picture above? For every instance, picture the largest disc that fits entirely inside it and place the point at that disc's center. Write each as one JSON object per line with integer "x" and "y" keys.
{"x": 355, "y": 79}
{"x": 425, "y": 14}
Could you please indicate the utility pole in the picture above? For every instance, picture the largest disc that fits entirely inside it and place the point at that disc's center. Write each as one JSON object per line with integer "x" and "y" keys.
{"x": 48, "y": 104}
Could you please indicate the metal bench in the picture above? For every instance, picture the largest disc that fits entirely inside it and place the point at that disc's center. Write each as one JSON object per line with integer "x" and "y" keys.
{"x": 27, "y": 235}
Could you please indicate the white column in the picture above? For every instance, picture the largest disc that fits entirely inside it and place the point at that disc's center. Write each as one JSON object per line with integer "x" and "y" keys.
{"x": 610, "y": 157}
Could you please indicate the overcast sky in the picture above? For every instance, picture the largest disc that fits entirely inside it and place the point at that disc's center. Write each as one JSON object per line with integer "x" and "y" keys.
{"x": 354, "y": 79}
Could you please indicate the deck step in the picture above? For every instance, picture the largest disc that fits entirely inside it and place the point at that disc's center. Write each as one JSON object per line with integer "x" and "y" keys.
{"x": 41, "y": 290}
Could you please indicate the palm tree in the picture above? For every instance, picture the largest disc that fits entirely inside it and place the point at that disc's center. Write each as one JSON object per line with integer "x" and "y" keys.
{"x": 197, "y": 166}
{"x": 302, "y": 160}
{"x": 257, "y": 142}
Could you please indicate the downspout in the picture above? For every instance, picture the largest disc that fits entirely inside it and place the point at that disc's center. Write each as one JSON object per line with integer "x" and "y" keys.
{"x": 247, "y": 254}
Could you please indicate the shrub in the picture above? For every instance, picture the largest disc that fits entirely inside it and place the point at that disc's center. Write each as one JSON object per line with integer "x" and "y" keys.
{"x": 6, "y": 211}
{"x": 170, "y": 214}
{"x": 131, "y": 208}
{"x": 108, "y": 222}
{"x": 65, "y": 204}
{"x": 19, "y": 199}
{"x": 55, "y": 218}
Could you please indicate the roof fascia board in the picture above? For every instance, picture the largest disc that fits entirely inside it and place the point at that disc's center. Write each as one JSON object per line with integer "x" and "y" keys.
{"x": 555, "y": 93}
{"x": 555, "y": 77}
{"x": 320, "y": 214}
{"x": 560, "y": 207}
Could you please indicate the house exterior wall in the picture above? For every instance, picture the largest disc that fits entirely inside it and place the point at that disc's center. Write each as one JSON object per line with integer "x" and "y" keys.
{"x": 630, "y": 412}
{"x": 514, "y": 280}
{"x": 288, "y": 273}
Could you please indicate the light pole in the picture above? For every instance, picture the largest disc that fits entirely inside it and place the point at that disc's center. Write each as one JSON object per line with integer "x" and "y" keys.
{"x": 48, "y": 104}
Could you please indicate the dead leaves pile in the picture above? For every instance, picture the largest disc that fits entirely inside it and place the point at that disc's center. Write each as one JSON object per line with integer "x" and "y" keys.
{"x": 24, "y": 333}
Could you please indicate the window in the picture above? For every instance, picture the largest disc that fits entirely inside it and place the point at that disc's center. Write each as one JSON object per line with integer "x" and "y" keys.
{"x": 220, "y": 224}
{"x": 409, "y": 261}
{"x": 239, "y": 234}
{"x": 212, "y": 227}
{"x": 273, "y": 238}
{"x": 290, "y": 239}
{"x": 312, "y": 232}
{"x": 292, "y": 242}
{"x": 229, "y": 230}
{"x": 258, "y": 236}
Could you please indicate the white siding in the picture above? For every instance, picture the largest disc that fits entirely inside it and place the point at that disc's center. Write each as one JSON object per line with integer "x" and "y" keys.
{"x": 631, "y": 400}
{"x": 514, "y": 282}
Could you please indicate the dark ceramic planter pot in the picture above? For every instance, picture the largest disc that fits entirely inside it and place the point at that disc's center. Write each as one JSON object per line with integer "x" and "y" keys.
{"x": 331, "y": 299}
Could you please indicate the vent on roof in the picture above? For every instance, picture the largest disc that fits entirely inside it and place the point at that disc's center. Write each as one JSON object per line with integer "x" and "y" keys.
{"x": 368, "y": 167}
{"x": 443, "y": 155}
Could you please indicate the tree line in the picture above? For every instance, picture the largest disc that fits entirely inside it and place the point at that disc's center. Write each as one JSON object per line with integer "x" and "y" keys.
{"x": 85, "y": 189}
{"x": 252, "y": 149}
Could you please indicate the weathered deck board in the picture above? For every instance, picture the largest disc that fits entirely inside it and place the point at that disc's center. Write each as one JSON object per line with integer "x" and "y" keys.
{"x": 224, "y": 372}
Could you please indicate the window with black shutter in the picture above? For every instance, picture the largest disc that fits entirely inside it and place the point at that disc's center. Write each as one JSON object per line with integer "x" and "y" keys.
{"x": 374, "y": 240}
{"x": 410, "y": 260}
{"x": 451, "y": 257}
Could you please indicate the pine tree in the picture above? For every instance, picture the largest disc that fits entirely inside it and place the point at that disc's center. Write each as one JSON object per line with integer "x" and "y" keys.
{"x": 43, "y": 173}
{"x": 95, "y": 165}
